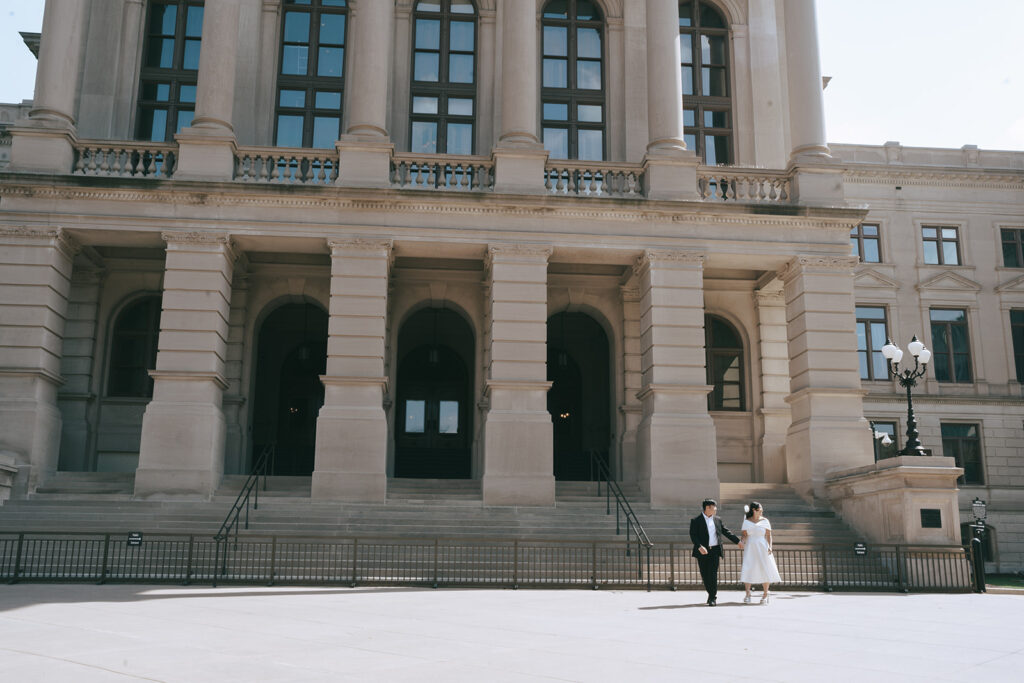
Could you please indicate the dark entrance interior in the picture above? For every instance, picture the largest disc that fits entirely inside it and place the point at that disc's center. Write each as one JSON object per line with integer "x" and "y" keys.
{"x": 291, "y": 355}
{"x": 433, "y": 416}
{"x": 579, "y": 399}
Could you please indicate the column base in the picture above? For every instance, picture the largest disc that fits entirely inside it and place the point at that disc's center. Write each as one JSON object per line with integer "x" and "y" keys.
{"x": 30, "y": 426}
{"x": 529, "y": 490}
{"x": 816, "y": 185}
{"x": 671, "y": 177}
{"x": 351, "y": 444}
{"x": 350, "y": 487}
{"x": 156, "y": 483}
{"x": 42, "y": 147}
{"x": 182, "y": 450}
{"x": 205, "y": 155}
{"x": 519, "y": 170}
{"x": 364, "y": 161}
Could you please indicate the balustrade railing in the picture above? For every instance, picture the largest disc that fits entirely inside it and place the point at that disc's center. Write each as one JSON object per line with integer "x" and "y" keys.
{"x": 286, "y": 166}
{"x": 720, "y": 184}
{"x": 582, "y": 179}
{"x": 458, "y": 173}
{"x": 125, "y": 159}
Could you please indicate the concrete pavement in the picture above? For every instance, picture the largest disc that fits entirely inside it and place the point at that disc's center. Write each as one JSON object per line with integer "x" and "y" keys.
{"x": 86, "y": 633}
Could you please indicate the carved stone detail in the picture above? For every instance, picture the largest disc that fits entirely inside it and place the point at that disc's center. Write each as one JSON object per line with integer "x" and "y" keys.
{"x": 797, "y": 265}
{"x": 664, "y": 257}
{"x": 517, "y": 252}
{"x": 197, "y": 237}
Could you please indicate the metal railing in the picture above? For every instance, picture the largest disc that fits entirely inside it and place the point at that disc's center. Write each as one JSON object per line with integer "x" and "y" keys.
{"x": 623, "y": 511}
{"x": 483, "y": 562}
{"x": 125, "y": 159}
{"x": 250, "y": 491}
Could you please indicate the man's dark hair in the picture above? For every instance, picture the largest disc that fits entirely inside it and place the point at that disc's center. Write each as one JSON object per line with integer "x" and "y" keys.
{"x": 708, "y": 501}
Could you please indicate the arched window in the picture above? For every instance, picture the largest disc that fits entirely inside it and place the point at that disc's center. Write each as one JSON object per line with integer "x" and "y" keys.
{"x": 572, "y": 85}
{"x": 311, "y": 79}
{"x": 443, "y": 77}
{"x": 724, "y": 350}
{"x": 707, "y": 107}
{"x": 170, "y": 68}
{"x": 133, "y": 346}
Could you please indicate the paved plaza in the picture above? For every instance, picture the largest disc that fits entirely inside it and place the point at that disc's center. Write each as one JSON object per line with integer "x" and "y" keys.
{"x": 169, "y": 633}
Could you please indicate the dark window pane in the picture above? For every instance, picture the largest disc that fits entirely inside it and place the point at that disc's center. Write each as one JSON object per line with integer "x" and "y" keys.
{"x": 556, "y": 9}
{"x": 685, "y": 48}
{"x": 184, "y": 119}
{"x": 187, "y": 93}
{"x": 424, "y": 105}
{"x": 716, "y": 149}
{"x": 556, "y": 41}
{"x": 687, "y": 76}
{"x": 689, "y": 117}
{"x": 556, "y": 142}
{"x": 163, "y": 19}
{"x": 426, "y": 67}
{"x": 424, "y": 137}
{"x": 588, "y": 75}
{"x": 296, "y": 27}
{"x": 1010, "y": 259}
{"x": 686, "y": 14}
{"x": 289, "y": 131}
{"x": 555, "y": 111}
{"x": 330, "y": 61}
{"x": 939, "y": 339}
{"x": 947, "y": 314}
{"x": 161, "y": 53}
{"x": 591, "y": 145}
{"x": 716, "y": 119}
{"x": 194, "y": 22}
{"x": 428, "y": 34}
{"x": 712, "y": 49}
{"x": 589, "y": 113}
{"x": 556, "y": 73}
{"x": 327, "y": 100}
{"x": 690, "y": 140}
{"x": 462, "y": 7}
{"x": 460, "y": 106}
{"x": 588, "y": 43}
{"x": 461, "y": 36}
{"x": 190, "y": 60}
{"x": 325, "y": 131}
{"x": 295, "y": 60}
{"x": 460, "y": 138}
{"x": 962, "y": 365}
{"x": 154, "y": 124}
{"x": 292, "y": 98}
{"x": 460, "y": 68}
{"x": 332, "y": 29}
{"x": 586, "y": 11}
{"x": 714, "y": 82}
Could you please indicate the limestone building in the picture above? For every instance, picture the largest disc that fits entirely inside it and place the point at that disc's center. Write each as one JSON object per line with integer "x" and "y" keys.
{"x": 489, "y": 239}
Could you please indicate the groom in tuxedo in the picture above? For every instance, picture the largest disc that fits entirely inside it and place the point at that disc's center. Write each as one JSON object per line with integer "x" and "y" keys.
{"x": 706, "y": 532}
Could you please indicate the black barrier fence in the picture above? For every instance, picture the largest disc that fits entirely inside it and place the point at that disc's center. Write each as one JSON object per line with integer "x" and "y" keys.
{"x": 481, "y": 562}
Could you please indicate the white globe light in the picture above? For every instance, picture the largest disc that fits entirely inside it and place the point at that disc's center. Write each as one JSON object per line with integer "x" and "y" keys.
{"x": 898, "y": 356}
{"x": 889, "y": 350}
{"x": 915, "y": 347}
{"x": 924, "y": 356}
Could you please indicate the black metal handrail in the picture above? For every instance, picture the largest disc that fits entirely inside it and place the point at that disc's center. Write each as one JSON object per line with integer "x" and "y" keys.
{"x": 623, "y": 510}
{"x": 250, "y": 489}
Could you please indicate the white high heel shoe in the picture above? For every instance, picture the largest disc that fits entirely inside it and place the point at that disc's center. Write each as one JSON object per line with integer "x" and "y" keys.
{"x": 765, "y": 598}
{"x": 746, "y": 599}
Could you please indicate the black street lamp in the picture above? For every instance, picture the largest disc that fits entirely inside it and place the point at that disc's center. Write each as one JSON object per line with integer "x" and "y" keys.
{"x": 908, "y": 379}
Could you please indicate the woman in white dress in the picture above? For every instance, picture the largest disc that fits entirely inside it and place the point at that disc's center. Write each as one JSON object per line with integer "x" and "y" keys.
{"x": 758, "y": 562}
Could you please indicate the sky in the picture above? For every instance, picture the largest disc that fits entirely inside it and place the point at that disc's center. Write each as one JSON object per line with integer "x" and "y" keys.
{"x": 925, "y": 73}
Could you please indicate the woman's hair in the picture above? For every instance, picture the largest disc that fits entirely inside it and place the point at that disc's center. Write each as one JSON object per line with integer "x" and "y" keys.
{"x": 753, "y": 505}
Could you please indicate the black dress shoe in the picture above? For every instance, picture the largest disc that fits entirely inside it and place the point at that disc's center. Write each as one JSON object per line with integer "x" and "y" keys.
{"x": 712, "y": 602}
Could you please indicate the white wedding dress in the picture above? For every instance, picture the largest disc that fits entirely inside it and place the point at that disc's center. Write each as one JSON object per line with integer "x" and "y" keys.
{"x": 758, "y": 564}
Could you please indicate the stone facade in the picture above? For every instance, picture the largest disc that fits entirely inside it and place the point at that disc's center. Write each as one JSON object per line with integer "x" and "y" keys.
{"x": 522, "y": 256}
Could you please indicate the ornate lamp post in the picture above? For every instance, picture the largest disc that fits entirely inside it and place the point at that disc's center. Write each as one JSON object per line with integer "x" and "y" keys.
{"x": 979, "y": 510}
{"x": 908, "y": 378}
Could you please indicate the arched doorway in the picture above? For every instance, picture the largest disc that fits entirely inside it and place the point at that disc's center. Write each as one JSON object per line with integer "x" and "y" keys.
{"x": 433, "y": 414}
{"x": 580, "y": 396}
{"x": 291, "y": 355}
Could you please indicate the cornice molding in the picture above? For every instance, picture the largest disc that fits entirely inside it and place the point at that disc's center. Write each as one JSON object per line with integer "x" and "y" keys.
{"x": 799, "y": 264}
{"x": 667, "y": 257}
{"x": 517, "y": 252}
{"x": 196, "y": 237}
{"x": 1007, "y": 180}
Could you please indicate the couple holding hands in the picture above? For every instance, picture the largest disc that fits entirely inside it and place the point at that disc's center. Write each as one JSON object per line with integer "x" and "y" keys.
{"x": 707, "y": 531}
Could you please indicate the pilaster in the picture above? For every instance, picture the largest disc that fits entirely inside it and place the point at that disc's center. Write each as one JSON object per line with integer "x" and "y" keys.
{"x": 774, "y": 414}
{"x": 631, "y": 409}
{"x": 352, "y": 429}
{"x": 518, "y": 436}
{"x": 183, "y": 428}
{"x": 676, "y": 435}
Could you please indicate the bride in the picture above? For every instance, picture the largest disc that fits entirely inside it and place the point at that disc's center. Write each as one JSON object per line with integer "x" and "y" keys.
{"x": 758, "y": 563}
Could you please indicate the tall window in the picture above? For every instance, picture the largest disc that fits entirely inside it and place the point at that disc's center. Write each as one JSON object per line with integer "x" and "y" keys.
{"x": 170, "y": 68}
{"x": 724, "y": 350}
{"x": 881, "y": 450}
{"x": 864, "y": 243}
{"x": 961, "y": 442}
{"x": 572, "y": 86}
{"x": 951, "y": 352}
{"x": 133, "y": 346}
{"x": 941, "y": 245}
{"x": 311, "y": 80}
{"x": 1017, "y": 331}
{"x": 443, "y": 77}
{"x": 1013, "y": 247}
{"x": 870, "y": 340}
{"x": 707, "y": 107}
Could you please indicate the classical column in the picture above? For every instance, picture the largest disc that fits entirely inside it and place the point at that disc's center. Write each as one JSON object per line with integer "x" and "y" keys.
{"x": 519, "y": 156}
{"x": 803, "y": 68}
{"x": 352, "y": 429}
{"x": 206, "y": 149}
{"x": 183, "y": 428}
{"x": 44, "y": 142}
{"x": 774, "y": 413}
{"x": 676, "y": 436}
{"x": 670, "y": 171}
{"x": 632, "y": 365}
{"x": 365, "y": 150}
{"x": 768, "y": 120}
{"x": 828, "y": 427}
{"x": 518, "y": 435}
{"x": 77, "y": 397}
{"x": 35, "y": 279}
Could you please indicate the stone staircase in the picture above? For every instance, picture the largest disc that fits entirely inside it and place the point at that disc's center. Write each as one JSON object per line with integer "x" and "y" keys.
{"x": 74, "y": 502}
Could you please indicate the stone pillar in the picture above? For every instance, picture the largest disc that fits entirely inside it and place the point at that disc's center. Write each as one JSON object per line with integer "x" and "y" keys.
{"x": 352, "y": 429}
{"x": 768, "y": 119}
{"x": 183, "y": 428}
{"x": 77, "y": 397}
{"x": 365, "y": 150}
{"x": 206, "y": 149}
{"x": 44, "y": 142}
{"x": 770, "y": 304}
{"x": 828, "y": 427}
{"x": 518, "y": 434}
{"x": 632, "y": 356}
{"x": 670, "y": 171}
{"x": 676, "y": 436}
{"x": 519, "y": 156}
{"x": 35, "y": 279}
{"x": 235, "y": 453}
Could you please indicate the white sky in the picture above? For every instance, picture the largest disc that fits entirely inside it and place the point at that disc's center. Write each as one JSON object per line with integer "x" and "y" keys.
{"x": 929, "y": 73}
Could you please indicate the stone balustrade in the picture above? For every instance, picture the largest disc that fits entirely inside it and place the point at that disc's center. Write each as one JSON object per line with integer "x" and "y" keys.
{"x": 594, "y": 179}
{"x": 442, "y": 172}
{"x": 125, "y": 159}
{"x": 718, "y": 184}
{"x": 286, "y": 166}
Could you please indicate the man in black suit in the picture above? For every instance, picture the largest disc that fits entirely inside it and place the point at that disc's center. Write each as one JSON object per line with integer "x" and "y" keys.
{"x": 706, "y": 532}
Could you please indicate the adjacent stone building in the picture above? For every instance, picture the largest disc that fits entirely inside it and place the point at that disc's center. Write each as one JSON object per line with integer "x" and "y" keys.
{"x": 493, "y": 240}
